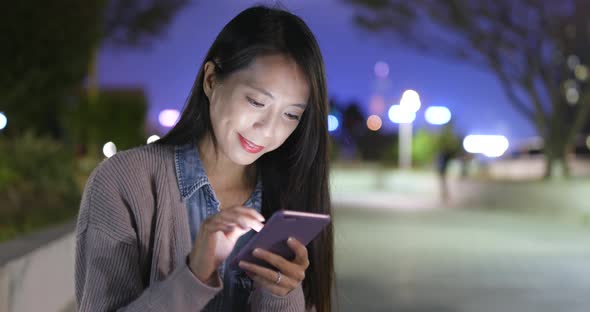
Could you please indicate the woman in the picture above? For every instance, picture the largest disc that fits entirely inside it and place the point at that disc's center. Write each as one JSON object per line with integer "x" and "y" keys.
{"x": 159, "y": 224}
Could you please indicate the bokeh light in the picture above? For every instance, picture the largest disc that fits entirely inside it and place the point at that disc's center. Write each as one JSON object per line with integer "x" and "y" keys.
{"x": 377, "y": 104}
{"x": 488, "y": 145}
{"x": 573, "y": 61}
{"x": 572, "y": 96}
{"x": 399, "y": 114}
{"x": 381, "y": 69}
{"x": 3, "y": 121}
{"x": 437, "y": 115}
{"x": 109, "y": 149}
{"x": 152, "y": 139}
{"x": 410, "y": 100}
{"x": 333, "y": 123}
{"x": 570, "y": 83}
{"x": 581, "y": 72}
{"x": 168, "y": 117}
{"x": 374, "y": 123}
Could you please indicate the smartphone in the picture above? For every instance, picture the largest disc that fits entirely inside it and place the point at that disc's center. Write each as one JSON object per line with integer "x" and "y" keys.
{"x": 303, "y": 226}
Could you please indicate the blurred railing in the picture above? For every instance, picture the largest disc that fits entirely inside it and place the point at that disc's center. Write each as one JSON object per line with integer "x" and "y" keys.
{"x": 37, "y": 271}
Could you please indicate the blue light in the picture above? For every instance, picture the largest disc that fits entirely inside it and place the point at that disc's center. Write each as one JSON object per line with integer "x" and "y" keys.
{"x": 490, "y": 145}
{"x": 437, "y": 115}
{"x": 399, "y": 114}
{"x": 332, "y": 123}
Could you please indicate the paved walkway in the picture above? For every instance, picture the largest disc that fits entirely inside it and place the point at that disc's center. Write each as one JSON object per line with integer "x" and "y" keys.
{"x": 398, "y": 249}
{"x": 457, "y": 260}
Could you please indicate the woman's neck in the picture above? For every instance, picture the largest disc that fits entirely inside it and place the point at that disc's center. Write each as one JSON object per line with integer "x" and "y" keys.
{"x": 224, "y": 174}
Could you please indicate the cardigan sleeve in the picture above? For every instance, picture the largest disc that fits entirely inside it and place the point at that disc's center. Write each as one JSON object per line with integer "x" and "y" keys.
{"x": 264, "y": 301}
{"x": 107, "y": 272}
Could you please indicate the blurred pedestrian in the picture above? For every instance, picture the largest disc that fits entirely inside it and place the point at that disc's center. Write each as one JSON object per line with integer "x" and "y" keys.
{"x": 442, "y": 165}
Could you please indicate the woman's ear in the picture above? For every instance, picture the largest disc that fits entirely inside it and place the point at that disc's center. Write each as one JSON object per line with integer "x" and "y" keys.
{"x": 209, "y": 79}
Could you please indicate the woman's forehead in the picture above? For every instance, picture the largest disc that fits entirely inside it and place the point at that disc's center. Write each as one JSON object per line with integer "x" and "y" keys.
{"x": 275, "y": 77}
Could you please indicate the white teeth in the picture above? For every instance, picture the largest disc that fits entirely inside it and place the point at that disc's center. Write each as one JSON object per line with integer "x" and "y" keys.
{"x": 252, "y": 145}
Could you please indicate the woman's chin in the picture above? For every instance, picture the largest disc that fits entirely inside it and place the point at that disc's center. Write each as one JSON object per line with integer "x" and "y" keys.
{"x": 245, "y": 158}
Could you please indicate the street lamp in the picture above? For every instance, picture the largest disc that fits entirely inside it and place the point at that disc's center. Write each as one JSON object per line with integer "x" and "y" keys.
{"x": 404, "y": 117}
{"x": 411, "y": 100}
{"x": 109, "y": 149}
{"x": 3, "y": 121}
{"x": 333, "y": 123}
{"x": 489, "y": 145}
{"x": 404, "y": 114}
{"x": 168, "y": 117}
{"x": 153, "y": 139}
{"x": 437, "y": 115}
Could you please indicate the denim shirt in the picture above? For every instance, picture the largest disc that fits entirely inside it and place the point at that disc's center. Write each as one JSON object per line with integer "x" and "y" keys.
{"x": 201, "y": 203}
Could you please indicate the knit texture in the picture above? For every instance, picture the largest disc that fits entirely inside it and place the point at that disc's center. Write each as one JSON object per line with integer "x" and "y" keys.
{"x": 133, "y": 240}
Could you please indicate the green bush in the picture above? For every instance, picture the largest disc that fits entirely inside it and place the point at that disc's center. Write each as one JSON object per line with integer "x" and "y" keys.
{"x": 116, "y": 115}
{"x": 424, "y": 148}
{"x": 37, "y": 184}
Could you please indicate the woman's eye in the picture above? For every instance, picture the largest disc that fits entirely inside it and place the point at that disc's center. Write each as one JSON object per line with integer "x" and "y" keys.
{"x": 254, "y": 103}
{"x": 292, "y": 117}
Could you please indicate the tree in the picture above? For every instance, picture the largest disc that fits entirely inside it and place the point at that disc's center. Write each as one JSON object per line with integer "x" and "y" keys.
{"x": 127, "y": 24}
{"x": 353, "y": 121}
{"x": 539, "y": 51}
{"x": 49, "y": 47}
{"x": 132, "y": 24}
{"x": 45, "y": 56}
{"x": 138, "y": 22}
{"x": 424, "y": 147}
{"x": 118, "y": 116}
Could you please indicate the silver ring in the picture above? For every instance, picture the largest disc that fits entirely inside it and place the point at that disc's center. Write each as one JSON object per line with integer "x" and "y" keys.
{"x": 279, "y": 276}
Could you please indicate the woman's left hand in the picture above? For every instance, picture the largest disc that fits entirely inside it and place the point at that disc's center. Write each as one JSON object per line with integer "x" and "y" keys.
{"x": 291, "y": 273}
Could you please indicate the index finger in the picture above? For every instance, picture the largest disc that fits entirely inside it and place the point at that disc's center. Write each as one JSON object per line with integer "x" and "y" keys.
{"x": 244, "y": 220}
{"x": 249, "y": 211}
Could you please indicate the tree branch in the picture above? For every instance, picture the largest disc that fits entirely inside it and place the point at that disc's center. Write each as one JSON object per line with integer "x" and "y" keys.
{"x": 516, "y": 101}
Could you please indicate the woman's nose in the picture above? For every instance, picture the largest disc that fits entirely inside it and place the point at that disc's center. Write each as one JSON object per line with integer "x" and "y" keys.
{"x": 265, "y": 125}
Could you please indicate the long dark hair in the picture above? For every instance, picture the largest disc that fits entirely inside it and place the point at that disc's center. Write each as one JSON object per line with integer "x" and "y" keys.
{"x": 294, "y": 176}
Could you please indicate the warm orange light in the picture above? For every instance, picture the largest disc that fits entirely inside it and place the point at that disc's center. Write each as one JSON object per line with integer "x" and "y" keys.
{"x": 374, "y": 123}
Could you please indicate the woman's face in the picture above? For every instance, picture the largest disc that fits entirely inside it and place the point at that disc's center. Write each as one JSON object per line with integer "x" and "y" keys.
{"x": 255, "y": 110}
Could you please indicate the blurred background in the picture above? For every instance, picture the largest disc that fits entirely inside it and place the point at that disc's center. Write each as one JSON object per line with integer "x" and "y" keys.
{"x": 460, "y": 135}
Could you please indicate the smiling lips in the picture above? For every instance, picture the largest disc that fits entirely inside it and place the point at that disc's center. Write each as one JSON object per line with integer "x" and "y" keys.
{"x": 249, "y": 146}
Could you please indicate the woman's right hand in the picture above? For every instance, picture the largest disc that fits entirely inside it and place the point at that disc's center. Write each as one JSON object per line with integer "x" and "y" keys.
{"x": 217, "y": 237}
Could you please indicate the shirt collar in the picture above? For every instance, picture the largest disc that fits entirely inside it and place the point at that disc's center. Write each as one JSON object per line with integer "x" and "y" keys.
{"x": 190, "y": 173}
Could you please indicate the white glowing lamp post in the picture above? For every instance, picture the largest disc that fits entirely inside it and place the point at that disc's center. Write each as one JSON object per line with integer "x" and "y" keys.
{"x": 404, "y": 114}
{"x": 489, "y": 145}
{"x": 437, "y": 115}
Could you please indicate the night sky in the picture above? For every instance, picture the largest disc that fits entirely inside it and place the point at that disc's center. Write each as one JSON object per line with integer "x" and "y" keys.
{"x": 167, "y": 70}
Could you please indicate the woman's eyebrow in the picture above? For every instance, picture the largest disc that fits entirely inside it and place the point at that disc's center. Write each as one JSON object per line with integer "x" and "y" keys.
{"x": 302, "y": 106}
{"x": 263, "y": 91}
